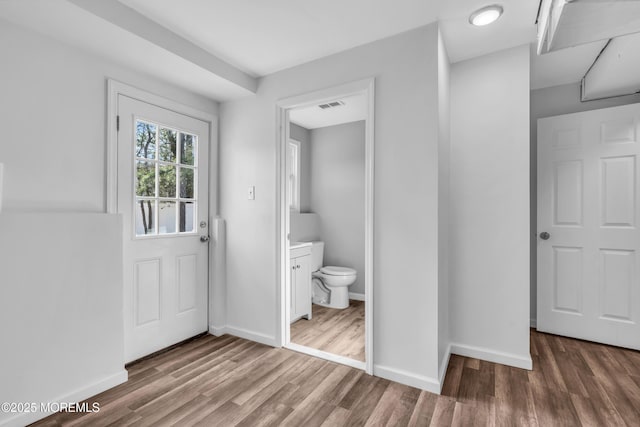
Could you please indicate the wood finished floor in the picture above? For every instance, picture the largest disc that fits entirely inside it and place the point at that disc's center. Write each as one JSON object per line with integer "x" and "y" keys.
{"x": 230, "y": 381}
{"x": 333, "y": 330}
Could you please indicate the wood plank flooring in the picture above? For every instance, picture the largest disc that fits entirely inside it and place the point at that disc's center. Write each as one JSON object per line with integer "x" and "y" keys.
{"x": 229, "y": 381}
{"x": 332, "y": 330}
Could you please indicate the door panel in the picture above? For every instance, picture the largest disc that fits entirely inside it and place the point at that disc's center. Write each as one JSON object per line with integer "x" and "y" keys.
{"x": 566, "y": 138}
{"x": 567, "y": 263}
{"x": 163, "y": 197}
{"x": 618, "y": 191}
{"x": 588, "y": 183}
{"x": 187, "y": 282}
{"x": 618, "y": 131}
{"x": 568, "y": 193}
{"x": 616, "y": 284}
{"x": 303, "y": 288}
{"x": 146, "y": 307}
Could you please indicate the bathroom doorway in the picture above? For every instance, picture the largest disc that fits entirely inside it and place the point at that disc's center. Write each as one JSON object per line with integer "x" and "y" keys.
{"x": 325, "y": 227}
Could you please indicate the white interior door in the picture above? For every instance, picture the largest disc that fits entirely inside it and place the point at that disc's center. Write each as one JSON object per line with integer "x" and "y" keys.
{"x": 589, "y": 204}
{"x": 163, "y": 197}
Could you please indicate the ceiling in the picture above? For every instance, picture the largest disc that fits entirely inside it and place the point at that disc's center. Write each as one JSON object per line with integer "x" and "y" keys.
{"x": 219, "y": 48}
{"x": 262, "y": 37}
{"x": 354, "y": 108}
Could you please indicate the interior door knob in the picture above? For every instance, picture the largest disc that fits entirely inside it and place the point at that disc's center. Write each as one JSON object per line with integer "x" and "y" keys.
{"x": 204, "y": 238}
{"x": 544, "y": 235}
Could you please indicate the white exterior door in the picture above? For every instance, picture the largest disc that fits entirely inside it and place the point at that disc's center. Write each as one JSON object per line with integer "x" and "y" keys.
{"x": 589, "y": 204}
{"x": 163, "y": 197}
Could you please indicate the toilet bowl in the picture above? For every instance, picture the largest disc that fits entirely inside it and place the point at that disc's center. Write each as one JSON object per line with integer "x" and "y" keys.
{"x": 330, "y": 283}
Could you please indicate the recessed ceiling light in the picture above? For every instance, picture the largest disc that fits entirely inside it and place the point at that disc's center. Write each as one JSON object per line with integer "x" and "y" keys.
{"x": 486, "y": 15}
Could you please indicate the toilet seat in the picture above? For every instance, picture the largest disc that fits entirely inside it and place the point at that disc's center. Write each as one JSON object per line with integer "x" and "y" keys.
{"x": 337, "y": 271}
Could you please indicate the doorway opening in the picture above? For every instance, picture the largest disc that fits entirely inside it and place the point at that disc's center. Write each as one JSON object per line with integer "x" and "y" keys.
{"x": 325, "y": 228}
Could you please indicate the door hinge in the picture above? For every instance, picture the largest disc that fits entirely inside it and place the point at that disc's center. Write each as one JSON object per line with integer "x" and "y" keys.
{"x": 117, "y": 123}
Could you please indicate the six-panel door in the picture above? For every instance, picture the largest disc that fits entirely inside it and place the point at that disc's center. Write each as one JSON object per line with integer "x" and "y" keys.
{"x": 589, "y": 203}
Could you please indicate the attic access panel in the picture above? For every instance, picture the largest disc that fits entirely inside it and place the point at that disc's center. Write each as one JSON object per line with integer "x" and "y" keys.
{"x": 615, "y": 71}
{"x": 567, "y": 23}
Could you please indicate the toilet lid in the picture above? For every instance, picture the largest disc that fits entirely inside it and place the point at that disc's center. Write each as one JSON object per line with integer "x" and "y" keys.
{"x": 337, "y": 271}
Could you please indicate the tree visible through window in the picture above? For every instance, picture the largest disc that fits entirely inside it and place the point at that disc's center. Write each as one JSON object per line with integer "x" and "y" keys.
{"x": 165, "y": 177}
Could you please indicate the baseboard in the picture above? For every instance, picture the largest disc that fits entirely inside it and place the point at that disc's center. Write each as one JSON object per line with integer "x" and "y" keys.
{"x": 75, "y": 396}
{"x": 243, "y": 333}
{"x": 408, "y": 378}
{"x": 356, "y": 296}
{"x": 217, "y": 331}
{"x": 443, "y": 366}
{"x": 534, "y": 323}
{"x": 489, "y": 355}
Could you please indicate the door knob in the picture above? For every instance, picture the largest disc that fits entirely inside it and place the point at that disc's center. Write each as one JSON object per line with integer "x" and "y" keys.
{"x": 544, "y": 235}
{"x": 204, "y": 238}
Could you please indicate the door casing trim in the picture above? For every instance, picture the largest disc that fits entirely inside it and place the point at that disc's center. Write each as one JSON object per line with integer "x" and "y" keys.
{"x": 366, "y": 87}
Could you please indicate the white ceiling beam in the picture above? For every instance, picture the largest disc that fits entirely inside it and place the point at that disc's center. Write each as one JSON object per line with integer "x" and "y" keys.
{"x": 138, "y": 24}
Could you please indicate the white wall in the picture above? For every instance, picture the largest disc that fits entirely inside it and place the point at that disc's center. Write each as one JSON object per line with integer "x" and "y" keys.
{"x": 406, "y": 198}
{"x": 489, "y": 252}
{"x": 53, "y": 109}
{"x": 444, "y": 148}
{"x": 548, "y": 102}
{"x": 61, "y": 308}
{"x": 337, "y": 194}
{"x": 305, "y": 227}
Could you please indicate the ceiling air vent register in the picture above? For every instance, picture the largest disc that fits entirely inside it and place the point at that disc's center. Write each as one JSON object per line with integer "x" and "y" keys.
{"x": 331, "y": 104}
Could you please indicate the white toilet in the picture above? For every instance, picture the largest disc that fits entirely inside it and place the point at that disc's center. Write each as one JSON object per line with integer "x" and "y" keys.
{"x": 330, "y": 283}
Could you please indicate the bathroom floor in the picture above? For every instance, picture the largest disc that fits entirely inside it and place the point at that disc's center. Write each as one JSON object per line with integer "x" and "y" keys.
{"x": 335, "y": 331}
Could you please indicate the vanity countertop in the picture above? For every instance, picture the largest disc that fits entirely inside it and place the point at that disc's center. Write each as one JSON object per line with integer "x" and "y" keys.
{"x": 298, "y": 245}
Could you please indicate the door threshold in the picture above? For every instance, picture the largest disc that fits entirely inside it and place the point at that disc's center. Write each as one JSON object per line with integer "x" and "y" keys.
{"x": 164, "y": 350}
{"x": 358, "y": 364}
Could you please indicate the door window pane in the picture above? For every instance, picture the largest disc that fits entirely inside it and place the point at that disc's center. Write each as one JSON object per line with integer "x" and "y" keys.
{"x": 145, "y": 212}
{"x": 187, "y": 216}
{"x": 146, "y": 140}
{"x": 167, "y": 217}
{"x": 167, "y": 185}
{"x": 187, "y": 148}
{"x": 186, "y": 183}
{"x": 145, "y": 179}
{"x": 167, "y": 145}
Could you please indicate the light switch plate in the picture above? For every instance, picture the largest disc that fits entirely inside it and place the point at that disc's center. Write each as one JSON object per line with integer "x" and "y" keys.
{"x": 251, "y": 194}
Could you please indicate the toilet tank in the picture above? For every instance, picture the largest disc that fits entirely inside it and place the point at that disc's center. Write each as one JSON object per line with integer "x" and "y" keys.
{"x": 317, "y": 253}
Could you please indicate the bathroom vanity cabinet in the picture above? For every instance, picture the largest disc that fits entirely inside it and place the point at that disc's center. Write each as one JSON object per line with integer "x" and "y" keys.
{"x": 300, "y": 255}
